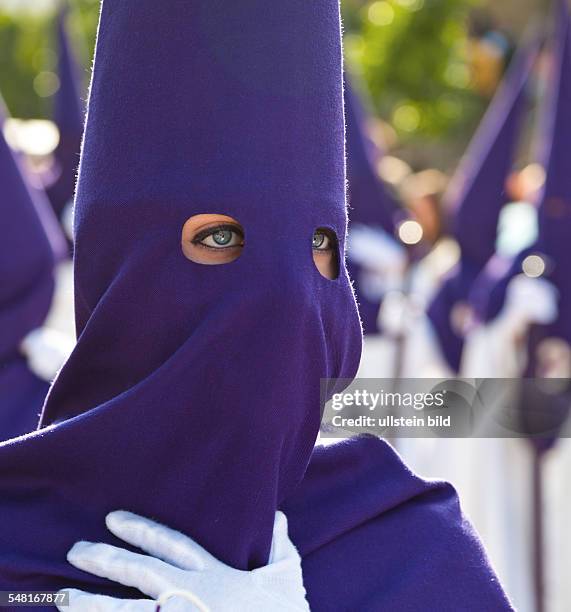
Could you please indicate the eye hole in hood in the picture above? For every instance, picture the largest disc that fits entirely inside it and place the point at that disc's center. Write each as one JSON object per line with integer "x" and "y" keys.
{"x": 325, "y": 249}
{"x": 212, "y": 239}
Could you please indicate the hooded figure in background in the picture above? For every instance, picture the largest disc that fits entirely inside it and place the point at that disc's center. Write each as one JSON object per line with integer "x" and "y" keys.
{"x": 523, "y": 310}
{"x": 477, "y": 467}
{"x": 31, "y": 242}
{"x": 475, "y": 198}
{"x": 515, "y": 303}
{"x": 525, "y": 303}
{"x": 375, "y": 259}
{"x": 68, "y": 117}
{"x": 188, "y": 399}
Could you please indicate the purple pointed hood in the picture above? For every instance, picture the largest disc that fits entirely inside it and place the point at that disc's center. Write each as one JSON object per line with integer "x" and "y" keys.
{"x": 476, "y": 195}
{"x": 68, "y": 116}
{"x": 193, "y": 394}
{"x": 69, "y": 108}
{"x": 370, "y": 202}
{"x": 477, "y": 192}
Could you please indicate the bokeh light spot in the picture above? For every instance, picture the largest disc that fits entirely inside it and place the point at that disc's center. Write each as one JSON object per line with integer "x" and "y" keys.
{"x": 410, "y": 232}
{"x": 411, "y": 5}
{"x": 406, "y": 118}
{"x": 381, "y": 13}
{"x": 46, "y": 84}
{"x": 533, "y": 266}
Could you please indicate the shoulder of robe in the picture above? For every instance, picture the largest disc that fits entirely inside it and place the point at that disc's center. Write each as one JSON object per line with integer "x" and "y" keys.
{"x": 357, "y": 480}
{"x": 399, "y": 540}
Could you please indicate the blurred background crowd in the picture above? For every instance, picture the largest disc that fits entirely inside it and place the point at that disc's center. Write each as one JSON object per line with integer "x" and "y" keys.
{"x": 460, "y": 228}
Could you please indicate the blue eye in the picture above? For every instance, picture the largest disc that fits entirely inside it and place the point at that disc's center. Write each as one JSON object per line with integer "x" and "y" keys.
{"x": 321, "y": 241}
{"x": 220, "y": 237}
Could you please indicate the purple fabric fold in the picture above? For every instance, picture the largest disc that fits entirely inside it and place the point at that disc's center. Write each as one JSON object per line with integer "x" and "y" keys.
{"x": 22, "y": 396}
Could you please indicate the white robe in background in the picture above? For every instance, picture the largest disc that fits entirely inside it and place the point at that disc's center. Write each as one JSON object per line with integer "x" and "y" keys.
{"x": 492, "y": 476}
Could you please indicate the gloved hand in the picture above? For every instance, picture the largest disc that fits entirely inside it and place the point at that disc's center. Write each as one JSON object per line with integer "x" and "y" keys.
{"x": 46, "y": 351}
{"x": 497, "y": 349}
{"x": 529, "y": 300}
{"x": 177, "y": 564}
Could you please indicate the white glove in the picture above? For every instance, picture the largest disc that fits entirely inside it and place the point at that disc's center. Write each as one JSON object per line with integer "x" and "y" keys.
{"x": 46, "y": 350}
{"x": 182, "y": 575}
{"x": 529, "y": 300}
{"x": 498, "y": 349}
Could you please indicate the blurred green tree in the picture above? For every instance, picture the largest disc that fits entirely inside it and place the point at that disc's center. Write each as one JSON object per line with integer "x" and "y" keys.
{"x": 412, "y": 55}
{"x": 28, "y": 55}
